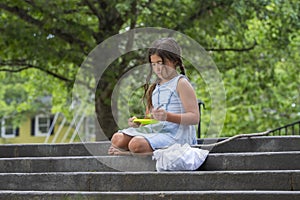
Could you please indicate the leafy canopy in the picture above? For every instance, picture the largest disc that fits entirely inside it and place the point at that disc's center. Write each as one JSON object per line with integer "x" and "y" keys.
{"x": 255, "y": 45}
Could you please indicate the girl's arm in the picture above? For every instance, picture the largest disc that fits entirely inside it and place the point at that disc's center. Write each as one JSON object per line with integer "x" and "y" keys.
{"x": 190, "y": 104}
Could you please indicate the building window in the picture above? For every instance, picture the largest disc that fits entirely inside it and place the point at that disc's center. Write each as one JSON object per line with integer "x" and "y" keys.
{"x": 89, "y": 128}
{"x": 42, "y": 125}
{"x": 7, "y": 128}
{"x": 90, "y": 125}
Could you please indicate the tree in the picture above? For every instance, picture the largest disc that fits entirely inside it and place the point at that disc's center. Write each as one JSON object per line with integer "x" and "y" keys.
{"x": 254, "y": 44}
{"x": 56, "y": 36}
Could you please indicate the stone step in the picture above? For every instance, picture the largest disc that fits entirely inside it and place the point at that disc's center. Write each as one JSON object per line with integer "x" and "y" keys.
{"x": 76, "y": 164}
{"x": 253, "y": 161}
{"x": 214, "y": 161}
{"x": 152, "y": 195}
{"x": 44, "y": 150}
{"x": 253, "y": 144}
{"x": 275, "y": 180}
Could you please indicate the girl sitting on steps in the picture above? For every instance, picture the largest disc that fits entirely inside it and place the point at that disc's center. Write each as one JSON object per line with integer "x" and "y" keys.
{"x": 171, "y": 100}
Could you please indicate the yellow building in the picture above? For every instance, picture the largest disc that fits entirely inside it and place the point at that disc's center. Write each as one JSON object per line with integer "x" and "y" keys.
{"x": 44, "y": 128}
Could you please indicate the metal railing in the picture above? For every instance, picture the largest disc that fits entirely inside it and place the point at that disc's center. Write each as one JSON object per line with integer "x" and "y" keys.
{"x": 289, "y": 129}
{"x": 200, "y": 103}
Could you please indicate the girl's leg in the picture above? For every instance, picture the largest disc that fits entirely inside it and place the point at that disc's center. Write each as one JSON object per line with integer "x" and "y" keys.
{"x": 119, "y": 143}
{"x": 139, "y": 144}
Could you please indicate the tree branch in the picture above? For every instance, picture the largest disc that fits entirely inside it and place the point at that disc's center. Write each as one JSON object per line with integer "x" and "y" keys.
{"x": 233, "y": 49}
{"x": 93, "y": 9}
{"x": 21, "y": 65}
{"x": 68, "y": 37}
{"x": 22, "y": 14}
{"x": 206, "y": 7}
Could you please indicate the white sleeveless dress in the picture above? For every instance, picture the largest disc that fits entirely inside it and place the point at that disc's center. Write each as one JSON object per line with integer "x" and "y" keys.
{"x": 164, "y": 133}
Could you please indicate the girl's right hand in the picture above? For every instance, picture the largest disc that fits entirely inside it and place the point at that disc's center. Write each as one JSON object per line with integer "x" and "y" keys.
{"x": 133, "y": 124}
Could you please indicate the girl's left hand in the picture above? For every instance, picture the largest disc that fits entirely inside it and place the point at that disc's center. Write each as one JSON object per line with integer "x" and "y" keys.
{"x": 131, "y": 123}
{"x": 159, "y": 114}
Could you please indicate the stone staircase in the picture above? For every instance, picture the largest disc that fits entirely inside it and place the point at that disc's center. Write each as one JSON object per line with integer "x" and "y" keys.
{"x": 246, "y": 168}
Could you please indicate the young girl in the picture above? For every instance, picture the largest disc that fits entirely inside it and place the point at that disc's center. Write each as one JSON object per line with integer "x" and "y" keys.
{"x": 171, "y": 101}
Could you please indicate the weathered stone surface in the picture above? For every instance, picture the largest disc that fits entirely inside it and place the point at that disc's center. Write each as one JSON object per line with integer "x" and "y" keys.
{"x": 283, "y": 180}
{"x": 247, "y": 168}
{"x": 152, "y": 195}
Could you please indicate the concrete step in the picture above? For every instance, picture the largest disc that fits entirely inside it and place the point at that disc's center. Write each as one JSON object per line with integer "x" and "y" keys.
{"x": 76, "y": 164}
{"x": 151, "y": 195}
{"x": 50, "y": 150}
{"x": 214, "y": 161}
{"x": 253, "y": 161}
{"x": 275, "y": 180}
{"x": 247, "y": 168}
{"x": 254, "y": 144}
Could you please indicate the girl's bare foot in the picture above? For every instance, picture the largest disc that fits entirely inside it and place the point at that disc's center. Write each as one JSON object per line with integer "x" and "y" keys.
{"x": 117, "y": 151}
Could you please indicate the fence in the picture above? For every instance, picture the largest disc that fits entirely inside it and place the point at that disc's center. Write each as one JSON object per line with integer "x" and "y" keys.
{"x": 289, "y": 129}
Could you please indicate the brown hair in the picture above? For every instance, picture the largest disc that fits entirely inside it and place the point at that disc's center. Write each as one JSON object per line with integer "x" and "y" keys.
{"x": 166, "y": 48}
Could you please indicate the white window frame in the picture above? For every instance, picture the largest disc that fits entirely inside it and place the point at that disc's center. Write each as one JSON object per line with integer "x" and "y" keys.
{"x": 37, "y": 125}
{"x": 4, "y": 128}
{"x": 89, "y": 125}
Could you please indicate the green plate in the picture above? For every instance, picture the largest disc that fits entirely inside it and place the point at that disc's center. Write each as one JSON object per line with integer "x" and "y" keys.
{"x": 146, "y": 121}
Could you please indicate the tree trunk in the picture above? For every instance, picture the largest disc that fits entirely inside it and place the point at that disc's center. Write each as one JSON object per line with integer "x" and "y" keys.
{"x": 105, "y": 117}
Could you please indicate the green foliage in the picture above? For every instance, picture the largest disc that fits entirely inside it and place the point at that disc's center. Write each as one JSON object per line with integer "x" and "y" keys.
{"x": 255, "y": 45}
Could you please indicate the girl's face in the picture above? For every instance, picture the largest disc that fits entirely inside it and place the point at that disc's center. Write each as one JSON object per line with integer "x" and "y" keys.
{"x": 164, "y": 71}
